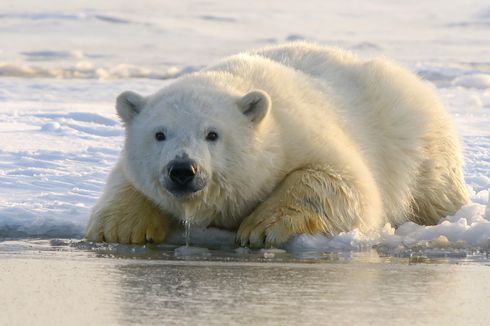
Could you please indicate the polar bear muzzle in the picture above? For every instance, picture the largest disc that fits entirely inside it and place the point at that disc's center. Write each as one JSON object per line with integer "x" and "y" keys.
{"x": 183, "y": 178}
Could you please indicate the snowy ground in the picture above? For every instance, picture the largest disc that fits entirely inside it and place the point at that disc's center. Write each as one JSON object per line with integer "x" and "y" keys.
{"x": 63, "y": 63}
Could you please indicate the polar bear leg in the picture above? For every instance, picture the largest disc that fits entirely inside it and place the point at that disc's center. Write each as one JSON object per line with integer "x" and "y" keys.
{"x": 440, "y": 191}
{"x": 127, "y": 217}
{"x": 312, "y": 201}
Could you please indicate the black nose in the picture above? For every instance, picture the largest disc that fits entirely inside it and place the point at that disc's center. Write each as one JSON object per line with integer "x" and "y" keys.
{"x": 182, "y": 173}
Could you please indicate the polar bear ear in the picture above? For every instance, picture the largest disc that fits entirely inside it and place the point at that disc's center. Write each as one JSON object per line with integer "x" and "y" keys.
{"x": 255, "y": 105}
{"x": 128, "y": 105}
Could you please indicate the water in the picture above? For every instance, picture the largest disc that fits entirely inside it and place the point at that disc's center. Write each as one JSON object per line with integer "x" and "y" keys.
{"x": 63, "y": 282}
{"x": 187, "y": 231}
{"x": 187, "y": 250}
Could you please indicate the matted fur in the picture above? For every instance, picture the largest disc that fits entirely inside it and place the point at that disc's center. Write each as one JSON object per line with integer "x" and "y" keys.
{"x": 344, "y": 144}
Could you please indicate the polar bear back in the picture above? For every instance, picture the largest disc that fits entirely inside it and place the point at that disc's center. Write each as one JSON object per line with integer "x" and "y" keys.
{"x": 394, "y": 119}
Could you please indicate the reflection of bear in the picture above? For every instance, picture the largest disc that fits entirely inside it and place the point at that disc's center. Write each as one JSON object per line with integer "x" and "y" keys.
{"x": 291, "y": 139}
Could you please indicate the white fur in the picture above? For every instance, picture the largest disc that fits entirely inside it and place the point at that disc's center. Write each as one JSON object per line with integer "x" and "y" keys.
{"x": 372, "y": 124}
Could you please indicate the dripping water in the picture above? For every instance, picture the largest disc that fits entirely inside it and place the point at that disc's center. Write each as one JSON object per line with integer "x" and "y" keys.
{"x": 187, "y": 231}
{"x": 188, "y": 250}
{"x": 188, "y": 215}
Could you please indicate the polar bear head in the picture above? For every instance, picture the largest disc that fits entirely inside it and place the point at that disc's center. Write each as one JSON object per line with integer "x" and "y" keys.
{"x": 191, "y": 137}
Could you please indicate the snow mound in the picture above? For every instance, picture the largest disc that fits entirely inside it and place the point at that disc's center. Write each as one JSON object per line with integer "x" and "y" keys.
{"x": 87, "y": 70}
{"x": 481, "y": 81}
{"x": 469, "y": 228}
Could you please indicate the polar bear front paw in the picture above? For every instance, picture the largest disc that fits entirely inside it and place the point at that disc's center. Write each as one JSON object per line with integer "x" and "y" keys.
{"x": 129, "y": 219}
{"x": 256, "y": 232}
{"x": 310, "y": 201}
{"x": 272, "y": 229}
{"x": 120, "y": 229}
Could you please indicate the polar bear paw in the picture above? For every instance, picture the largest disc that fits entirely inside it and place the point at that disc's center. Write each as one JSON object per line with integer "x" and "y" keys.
{"x": 129, "y": 219}
{"x": 272, "y": 229}
{"x": 257, "y": 233}
{"x": 112, "y": 229}
{"x": 306, "y": 202}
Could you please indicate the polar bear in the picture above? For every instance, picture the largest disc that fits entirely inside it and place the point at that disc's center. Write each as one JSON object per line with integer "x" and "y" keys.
{"x": 289, "y": 139}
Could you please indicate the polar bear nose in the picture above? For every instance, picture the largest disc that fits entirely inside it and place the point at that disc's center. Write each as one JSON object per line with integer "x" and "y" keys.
{"x": 182, "y": 173}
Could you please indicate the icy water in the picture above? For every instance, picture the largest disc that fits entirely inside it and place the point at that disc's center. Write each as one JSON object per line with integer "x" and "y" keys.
{"x": 69, "y": 282}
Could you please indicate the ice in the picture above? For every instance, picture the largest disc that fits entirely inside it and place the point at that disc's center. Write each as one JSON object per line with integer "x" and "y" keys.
{"x": 243, "y": 250}
{"x": 189, "y": 251}
{"x": 203, "y": 237}
{"x": 271, "y": 252}
{"x": 62, "y": 64}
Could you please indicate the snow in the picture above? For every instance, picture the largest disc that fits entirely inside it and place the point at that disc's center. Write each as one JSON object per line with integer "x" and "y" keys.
{"x": 62, "y": 64}
{"x": 481, "y": 81}
{"x": 85, "y": 69}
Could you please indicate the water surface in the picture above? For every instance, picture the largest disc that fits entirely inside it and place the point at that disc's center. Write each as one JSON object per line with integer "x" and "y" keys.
{"x": 57, "y": 282}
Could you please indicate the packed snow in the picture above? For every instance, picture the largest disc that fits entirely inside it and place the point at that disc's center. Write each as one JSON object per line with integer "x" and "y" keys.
{"x": 62, "y": 64}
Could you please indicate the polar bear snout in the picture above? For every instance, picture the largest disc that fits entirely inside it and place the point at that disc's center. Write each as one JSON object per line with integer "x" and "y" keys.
{"x": 183, "y": 177}
{"x": 182, "y": 173}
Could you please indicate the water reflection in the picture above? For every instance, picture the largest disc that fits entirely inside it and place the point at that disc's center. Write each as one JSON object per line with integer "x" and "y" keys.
{"x": 351, "y": 293}
{"x": 102, "y": 284}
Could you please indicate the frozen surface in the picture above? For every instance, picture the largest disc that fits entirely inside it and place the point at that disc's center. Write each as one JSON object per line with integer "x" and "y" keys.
{"x": 62, "y": 63}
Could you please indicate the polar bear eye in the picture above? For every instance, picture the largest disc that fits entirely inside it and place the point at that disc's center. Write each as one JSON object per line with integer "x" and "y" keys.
{"x": 160, "y": 136}
{"x": 212, "y": 136}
